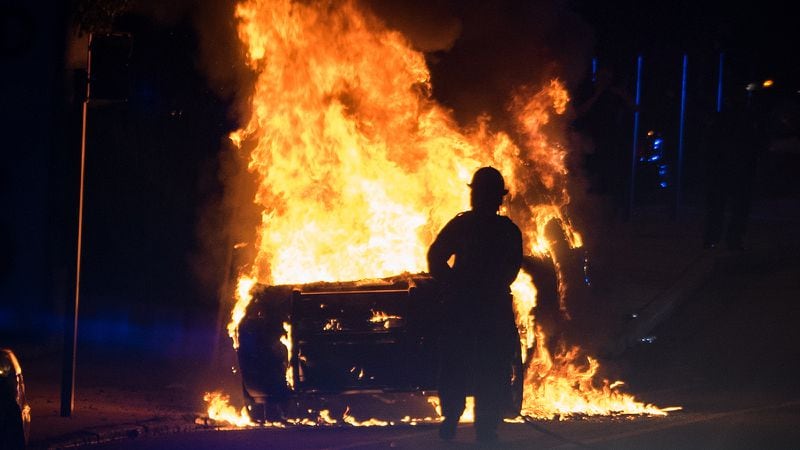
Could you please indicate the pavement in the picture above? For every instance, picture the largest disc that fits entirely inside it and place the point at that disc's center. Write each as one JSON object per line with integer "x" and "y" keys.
{"x": 641, "y": 270}
{"x": 121, "y": 394}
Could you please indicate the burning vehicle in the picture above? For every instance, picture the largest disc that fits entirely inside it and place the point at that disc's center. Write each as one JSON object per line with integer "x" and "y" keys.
{"x": 364, "y": 337}
{"x": 356, "y": 168}
{"x": 333, "y": 338}
{"x": 372, "y": 336}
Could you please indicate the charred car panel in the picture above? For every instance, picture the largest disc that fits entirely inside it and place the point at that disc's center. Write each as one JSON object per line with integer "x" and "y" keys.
{"x": 366, "y": 337}
{"x": 342, "y": 338}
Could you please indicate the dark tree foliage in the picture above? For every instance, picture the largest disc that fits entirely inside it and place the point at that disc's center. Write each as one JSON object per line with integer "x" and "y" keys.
{"x": 91, "y": 16}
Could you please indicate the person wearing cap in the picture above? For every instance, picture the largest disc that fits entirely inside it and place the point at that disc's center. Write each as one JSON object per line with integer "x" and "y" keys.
{"x": 479, "y": 334}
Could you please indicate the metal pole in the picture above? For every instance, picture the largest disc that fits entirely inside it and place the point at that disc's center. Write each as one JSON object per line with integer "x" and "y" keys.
{"x": 635, "y": 145}
{"x": 681, "y": 123}
{"x": 719, "y": 81}
{"x": 71, "y": 328}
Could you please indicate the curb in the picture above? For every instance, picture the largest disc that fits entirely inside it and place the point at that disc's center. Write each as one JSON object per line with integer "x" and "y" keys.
{"x": 110, "y": 433}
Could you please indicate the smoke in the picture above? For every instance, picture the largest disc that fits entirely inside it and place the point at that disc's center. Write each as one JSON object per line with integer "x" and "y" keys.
{"x": 221, "y": 57}
{"x": 480, "y": 52}
{"x": 227, "y": 216}
{"x": 430, "y": 26}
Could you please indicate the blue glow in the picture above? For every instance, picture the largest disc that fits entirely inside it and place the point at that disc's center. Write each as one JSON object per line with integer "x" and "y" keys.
{"x": 634, "y": 150}
{"x": 655, "y": 157}
{"x": 663, "y": 184}
{"x": 719, "y": 81}
{"x": 657, "y": 143}
{"x": 679, "y": 168}
{"x": 5, "y": 319}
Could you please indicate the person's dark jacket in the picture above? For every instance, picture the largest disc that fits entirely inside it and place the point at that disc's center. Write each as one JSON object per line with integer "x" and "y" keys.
{"x": 488, "y": 255}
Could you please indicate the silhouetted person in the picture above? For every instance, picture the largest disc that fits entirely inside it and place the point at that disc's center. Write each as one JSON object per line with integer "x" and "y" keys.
{"x": 479, "y": 335}
{"x": 605, "y": 116}
{"x": 736, "y": 138}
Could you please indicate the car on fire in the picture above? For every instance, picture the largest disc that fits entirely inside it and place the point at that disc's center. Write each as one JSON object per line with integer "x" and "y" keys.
{"x": 15, "y": 418}
{"x": 340, "y": 338}
{"x": 364, "y": 337}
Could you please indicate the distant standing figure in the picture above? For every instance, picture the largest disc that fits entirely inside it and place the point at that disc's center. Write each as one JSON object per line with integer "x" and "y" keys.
{"x": 736, "y": 140}
{"x": 479, "y": 334}
{"x": 606, "y": 117}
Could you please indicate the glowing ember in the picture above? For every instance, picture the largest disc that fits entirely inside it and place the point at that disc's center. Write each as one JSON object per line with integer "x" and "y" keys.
{"x": 332, "y": 325}
{"x": 366, "y": 423}
{"x": 325, "y": 416}
{"x": 358, "y": 168}
{"x": 382, "y": 317}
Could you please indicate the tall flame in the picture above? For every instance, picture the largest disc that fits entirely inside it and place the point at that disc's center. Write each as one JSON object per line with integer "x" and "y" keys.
{"x": 358, "y": 167}
{"x": 356, "y": 162}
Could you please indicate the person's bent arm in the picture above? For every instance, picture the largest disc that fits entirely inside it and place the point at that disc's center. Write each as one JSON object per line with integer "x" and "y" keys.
{"x": 514, "y": 257}
{"x": 439, "y": 253}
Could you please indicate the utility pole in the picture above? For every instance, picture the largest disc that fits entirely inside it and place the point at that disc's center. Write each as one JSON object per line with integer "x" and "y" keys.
{"x": 71, "y": 321}
{"x": 111, "y": 64}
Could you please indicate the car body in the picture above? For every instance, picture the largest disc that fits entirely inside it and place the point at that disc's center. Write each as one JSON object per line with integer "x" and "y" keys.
{"x": 15, "y": 417}
{"x": 377, "y": 336}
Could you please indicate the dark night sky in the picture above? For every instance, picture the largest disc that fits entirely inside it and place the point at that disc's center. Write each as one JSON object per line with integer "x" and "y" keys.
{"x": 154, "y": 161}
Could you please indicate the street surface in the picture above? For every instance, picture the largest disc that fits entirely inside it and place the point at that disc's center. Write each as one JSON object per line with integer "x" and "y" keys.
{"x": 770, "y": 427}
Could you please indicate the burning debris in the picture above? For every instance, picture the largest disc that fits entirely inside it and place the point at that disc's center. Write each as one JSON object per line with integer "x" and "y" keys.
{"x": 357, "y": 168}
{"x": 220, "y": 410}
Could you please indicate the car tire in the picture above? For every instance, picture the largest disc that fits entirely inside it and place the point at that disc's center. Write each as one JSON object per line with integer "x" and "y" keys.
{"x": 265, "y": 410}
{"x": 12, "y": 430}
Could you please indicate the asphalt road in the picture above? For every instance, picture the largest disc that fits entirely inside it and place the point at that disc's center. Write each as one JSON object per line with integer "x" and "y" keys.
{"x": 768, "y": 427}
{"x": 728, "y": 355}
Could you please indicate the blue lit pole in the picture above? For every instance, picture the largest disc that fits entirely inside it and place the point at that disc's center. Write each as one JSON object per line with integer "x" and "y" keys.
{"x": 719, "y": 80}
{"x": 681, "y": 124}
{"x": 635, "y": 146}
{"x": 594, "y": 69}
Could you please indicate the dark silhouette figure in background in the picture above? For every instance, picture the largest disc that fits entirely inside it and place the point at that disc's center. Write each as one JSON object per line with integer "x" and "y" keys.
{"x": 736, "y": 139}
{"x": 479, "y": 335}
{"x": 604, "y": 113}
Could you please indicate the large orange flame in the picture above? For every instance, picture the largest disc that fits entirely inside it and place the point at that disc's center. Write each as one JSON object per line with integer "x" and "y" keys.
{"x": 358, "y": 167}
{"x": 356, "y": 162}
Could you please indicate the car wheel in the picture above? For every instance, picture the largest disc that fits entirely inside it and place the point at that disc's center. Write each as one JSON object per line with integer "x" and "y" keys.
{"x": 12, "y": 430}
{"x": 264, "y": 410}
